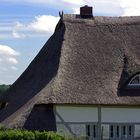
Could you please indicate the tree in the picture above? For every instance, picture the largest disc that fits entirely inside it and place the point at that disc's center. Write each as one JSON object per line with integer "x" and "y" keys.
{"x": 3, "y": 88}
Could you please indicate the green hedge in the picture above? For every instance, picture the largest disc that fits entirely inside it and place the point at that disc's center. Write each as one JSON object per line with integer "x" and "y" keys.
{"x": 29, "y": 135}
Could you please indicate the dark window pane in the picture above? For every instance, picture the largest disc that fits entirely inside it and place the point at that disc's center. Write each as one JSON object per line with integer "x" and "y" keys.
{"x": 135, "y": 80}
{"x": 111, "y": 131}
{"x": 88, "y": 130}
{"x": 130, "y": 130}
{"x": 124, "y": 130}
{"x": 117, "y": 131}
{"x": 124, "y": 133}
{"x": 94, "y": 131}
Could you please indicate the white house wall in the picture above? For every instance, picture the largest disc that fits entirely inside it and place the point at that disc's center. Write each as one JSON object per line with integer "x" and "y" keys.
{"x": 69, "y": 129}
{"x": 73, "y": 119}
{"x": 137, "y": 131}
{"x": 120, "y": 115}
{"x": 76, "y": 114}
{"x": 105, "y": 130}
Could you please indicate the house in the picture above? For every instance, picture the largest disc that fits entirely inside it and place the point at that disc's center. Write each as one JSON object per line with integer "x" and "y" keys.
{"x": 84, "y": 81}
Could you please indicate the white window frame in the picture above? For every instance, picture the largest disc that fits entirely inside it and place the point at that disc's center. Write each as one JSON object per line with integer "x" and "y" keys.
{"x": 132, "y": 132}
{"x": 124, "y": 136}
{"x": 92, "y": 131}
{"x": 131, "y": 84}
{"x": 115, "y": 136}
{"x": 121, "y": 136}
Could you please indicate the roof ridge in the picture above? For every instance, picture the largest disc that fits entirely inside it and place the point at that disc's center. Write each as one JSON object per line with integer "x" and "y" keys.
{"x": 98, "y": 20}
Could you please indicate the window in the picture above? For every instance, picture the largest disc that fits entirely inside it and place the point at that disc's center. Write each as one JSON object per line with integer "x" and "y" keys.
{"x": 3, "y": 105}
{"x": 92, "y": 131}
{"x": 118, "y": 131}
{"x": 130, "y": 131}
{"x": 121, "y": 131}
{"x": 112, "y": 131}
{"x": 115, "y": 131}
{"x": 88, "y": 130}
{"x": 135, "y": 81}
{"x": 124, "y": 131}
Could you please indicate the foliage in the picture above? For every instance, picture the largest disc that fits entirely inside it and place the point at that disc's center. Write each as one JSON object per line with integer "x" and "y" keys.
{"x": 3, "y": 88}
{"x": 2, "y": 127}
{"x": 29, "y": 135}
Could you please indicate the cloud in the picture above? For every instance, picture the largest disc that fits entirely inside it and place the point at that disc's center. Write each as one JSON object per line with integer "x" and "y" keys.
{"x": 18, "y": 35}
{"x": 41, "y": 25}
{"x": 109, "y": 7}
{"x": 75, "y": 2}
{"x": 19, "y": 25}
{"x": 8, "y": 56}
{"x": 6, "y": 50}
{"x": 101, "y": 7}
{"x": 2, "y": 82}
{"x": 14, "y": 68}
{"x": 44, "y": 24}
{"x": 3, "y": 69}
{"x": 130, "y": 7}
{"x": 12, "y": 60}
{"x": 43, "y": 2}
{"x": 8, "y": 64}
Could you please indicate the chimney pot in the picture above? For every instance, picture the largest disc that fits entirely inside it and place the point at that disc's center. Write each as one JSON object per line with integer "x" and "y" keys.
{"x": 86, "y": 12}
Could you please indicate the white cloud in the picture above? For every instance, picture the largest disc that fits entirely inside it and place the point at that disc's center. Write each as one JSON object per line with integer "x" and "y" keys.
{"x": 44, "y": 2}
{"x": 109, "y": 7}
{"x": 3, "y": 69}
{"x": 76, "y": 2}
{"x": 8, "y": 55}
{"x": 19, "y": 25}
{"x": 8, "y": 51}
{"x": 12, "y": 60}
{"x": 130, "y": 7}
{"x": 102, "y": 7}
{"x": 8, "y": 63}
{"x": 18, "y": 35}
{"x": 76, "y": 11}
{"x": 2, "y": 82}
{"x": 4, "y": 36}
{"x": 15, "y": 34}
{"x": 14, "y": 68}
{"x": 44, "y": 23}
{"x": 41, "y": 25}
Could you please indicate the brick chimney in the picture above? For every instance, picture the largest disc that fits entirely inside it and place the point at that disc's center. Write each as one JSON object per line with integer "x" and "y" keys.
{"x": 86, "y": 12}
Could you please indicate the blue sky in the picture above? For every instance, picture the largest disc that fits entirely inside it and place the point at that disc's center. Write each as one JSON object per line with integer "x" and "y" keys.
{"x": 25, "y": 26}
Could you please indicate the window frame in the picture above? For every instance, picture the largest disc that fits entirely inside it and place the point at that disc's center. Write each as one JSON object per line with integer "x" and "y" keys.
{"x": 92, "y": 131}
{"x": 3, "y": 105}
{"x": 133, "y": 78}
{"x": 121, "y": 136}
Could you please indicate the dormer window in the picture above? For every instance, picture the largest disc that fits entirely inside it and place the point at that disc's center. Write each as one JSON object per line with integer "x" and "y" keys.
{"x": 135, "y": 81}
{"x": 3, "y": 105}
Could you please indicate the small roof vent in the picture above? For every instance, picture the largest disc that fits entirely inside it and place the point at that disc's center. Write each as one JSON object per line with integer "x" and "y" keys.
{"x": 86, "y": 12}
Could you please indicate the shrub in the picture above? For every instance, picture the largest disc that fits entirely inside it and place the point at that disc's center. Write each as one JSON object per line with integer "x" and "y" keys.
{"x": 2, "y": 127}
{"x": 29, "y": 135}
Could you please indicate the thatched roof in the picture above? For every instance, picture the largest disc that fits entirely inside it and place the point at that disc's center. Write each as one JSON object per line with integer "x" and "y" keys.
{"x": 86, "y": 61}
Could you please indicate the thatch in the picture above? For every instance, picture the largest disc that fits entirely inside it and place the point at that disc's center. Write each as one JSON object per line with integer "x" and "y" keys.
{"x": 86, "y": 61}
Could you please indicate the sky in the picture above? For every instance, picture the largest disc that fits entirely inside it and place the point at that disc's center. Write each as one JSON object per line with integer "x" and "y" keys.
{"x": 25, "y": 26}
